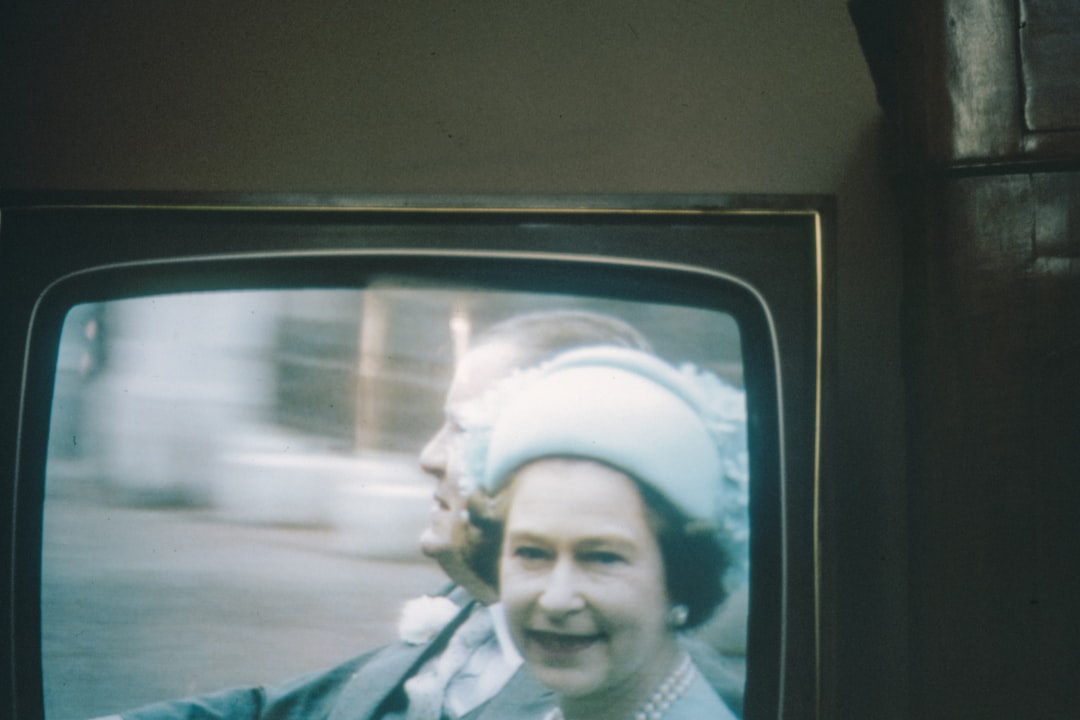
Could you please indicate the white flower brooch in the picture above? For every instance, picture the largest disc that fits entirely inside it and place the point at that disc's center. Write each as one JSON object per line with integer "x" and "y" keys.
{"x": 422, "y": 618}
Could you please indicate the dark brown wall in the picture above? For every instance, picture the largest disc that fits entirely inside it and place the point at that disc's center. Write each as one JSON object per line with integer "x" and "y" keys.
{"x": 769, "y": 96}
{"x": 982, "y": 100}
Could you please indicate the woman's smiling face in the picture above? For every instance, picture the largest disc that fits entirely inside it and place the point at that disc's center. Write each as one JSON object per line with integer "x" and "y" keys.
{"x": 582, "y": 579}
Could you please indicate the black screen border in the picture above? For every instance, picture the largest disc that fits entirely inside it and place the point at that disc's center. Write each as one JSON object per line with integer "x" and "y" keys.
{"x": 60, "y": 250}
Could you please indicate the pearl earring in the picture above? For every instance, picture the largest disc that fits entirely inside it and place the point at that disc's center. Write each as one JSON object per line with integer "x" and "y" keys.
{"x": 677, "y": 616}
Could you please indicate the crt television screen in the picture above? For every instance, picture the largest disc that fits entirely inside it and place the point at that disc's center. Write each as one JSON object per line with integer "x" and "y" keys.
{"x": 234, "y": 491}
{"x": 235, "y": 428}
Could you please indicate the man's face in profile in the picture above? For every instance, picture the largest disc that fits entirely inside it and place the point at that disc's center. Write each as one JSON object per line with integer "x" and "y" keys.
{"x": 478, "y": 369}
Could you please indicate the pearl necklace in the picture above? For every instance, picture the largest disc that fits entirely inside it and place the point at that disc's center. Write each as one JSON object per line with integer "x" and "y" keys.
{"x": 662, "y": 698}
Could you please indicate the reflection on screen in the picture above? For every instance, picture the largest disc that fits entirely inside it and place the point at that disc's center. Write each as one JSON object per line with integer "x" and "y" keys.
{"x": 233, "y": 490}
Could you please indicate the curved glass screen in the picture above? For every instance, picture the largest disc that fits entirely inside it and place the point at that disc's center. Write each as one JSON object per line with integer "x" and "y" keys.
{"x": 235, "y": 494}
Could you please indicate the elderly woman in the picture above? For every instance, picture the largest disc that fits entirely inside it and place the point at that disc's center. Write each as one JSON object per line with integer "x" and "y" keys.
{"x": 602, "y": 477}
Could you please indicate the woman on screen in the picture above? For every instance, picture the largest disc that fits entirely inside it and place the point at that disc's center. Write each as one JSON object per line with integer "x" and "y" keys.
{"x": 598, "y": 519}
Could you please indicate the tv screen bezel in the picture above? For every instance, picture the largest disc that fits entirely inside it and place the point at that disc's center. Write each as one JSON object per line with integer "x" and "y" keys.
{"x": 60, "y": 249}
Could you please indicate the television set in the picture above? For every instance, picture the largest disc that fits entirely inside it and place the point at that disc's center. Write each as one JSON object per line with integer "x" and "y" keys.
{"x": 213, "y": 407}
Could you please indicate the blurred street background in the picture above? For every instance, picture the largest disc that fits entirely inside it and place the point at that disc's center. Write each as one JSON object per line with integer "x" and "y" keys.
{"x": 143, "y": 604}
